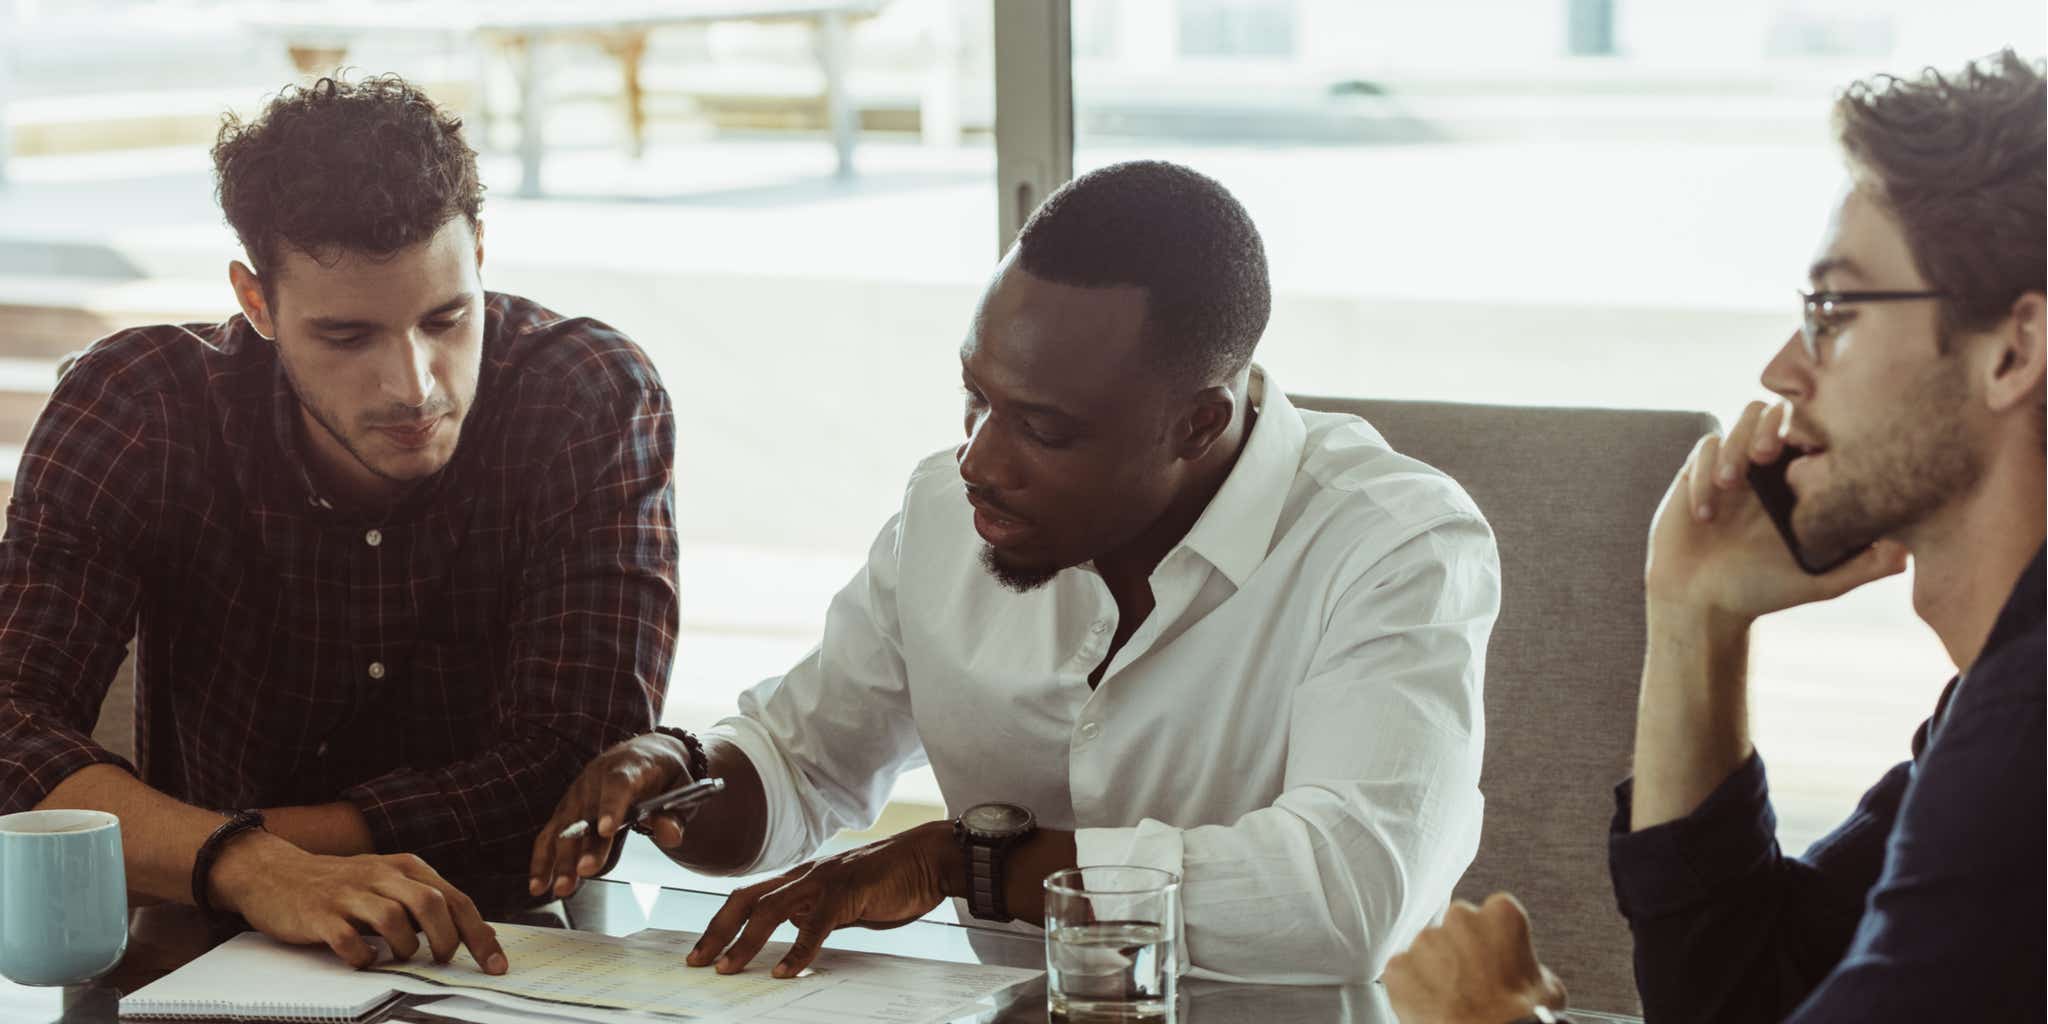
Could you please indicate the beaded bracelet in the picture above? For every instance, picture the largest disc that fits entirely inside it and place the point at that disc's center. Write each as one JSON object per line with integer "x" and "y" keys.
{"x": 699, "y": 762}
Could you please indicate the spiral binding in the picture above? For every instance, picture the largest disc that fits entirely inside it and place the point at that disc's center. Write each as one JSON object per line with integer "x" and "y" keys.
{"x": 253, "y": 1013}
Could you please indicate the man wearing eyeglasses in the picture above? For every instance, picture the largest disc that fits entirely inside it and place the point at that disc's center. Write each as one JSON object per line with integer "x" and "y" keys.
{"x": 1913, "y": 402}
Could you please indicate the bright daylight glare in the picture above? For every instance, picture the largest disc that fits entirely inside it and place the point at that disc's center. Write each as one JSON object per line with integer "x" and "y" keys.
{"x": 1565, "y": 202}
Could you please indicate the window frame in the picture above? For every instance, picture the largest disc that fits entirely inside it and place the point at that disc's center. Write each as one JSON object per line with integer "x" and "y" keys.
{"x": 1034, "y": 100}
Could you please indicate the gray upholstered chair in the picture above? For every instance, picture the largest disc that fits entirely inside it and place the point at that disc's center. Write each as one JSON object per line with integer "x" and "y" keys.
{"x": 1570, "y": 493}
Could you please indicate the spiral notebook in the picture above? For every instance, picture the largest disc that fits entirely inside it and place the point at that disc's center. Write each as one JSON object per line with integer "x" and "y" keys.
{"x": 251, "y": 978}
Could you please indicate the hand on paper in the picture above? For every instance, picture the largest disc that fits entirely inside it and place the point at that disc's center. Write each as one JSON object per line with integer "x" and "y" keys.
{"x": 310, "y": 899}
{"x": 632, "y": 771}
{"x": 881, "y": 885}
{"x": 1478, "y": 967}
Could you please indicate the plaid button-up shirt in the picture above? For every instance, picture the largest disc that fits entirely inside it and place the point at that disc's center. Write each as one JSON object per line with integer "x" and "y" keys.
{"x": 448, "y": 667}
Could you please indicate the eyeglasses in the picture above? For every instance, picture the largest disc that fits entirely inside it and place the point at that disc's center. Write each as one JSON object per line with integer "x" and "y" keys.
{"x": 1818, "y": 311}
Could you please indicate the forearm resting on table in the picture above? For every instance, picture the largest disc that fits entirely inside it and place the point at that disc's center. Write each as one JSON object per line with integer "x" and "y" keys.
{"x": 1692, "y": 725}
{"x": 161, "y": 836}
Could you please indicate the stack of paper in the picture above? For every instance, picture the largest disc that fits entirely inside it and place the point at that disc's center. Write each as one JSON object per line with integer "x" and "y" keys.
{"x": 565, "y": 975}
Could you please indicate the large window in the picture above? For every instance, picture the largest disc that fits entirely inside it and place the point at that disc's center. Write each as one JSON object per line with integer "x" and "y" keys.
{"x": 806, "y": 319}
{"x": 1576, "y": 202}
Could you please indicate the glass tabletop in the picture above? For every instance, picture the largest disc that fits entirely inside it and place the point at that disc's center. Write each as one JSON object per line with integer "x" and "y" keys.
{"x": 619, "y": 909}
{"x": 165, "y": 938}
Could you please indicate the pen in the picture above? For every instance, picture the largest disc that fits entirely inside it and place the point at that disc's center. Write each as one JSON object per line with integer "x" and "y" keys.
{"x": 684, "y": 799}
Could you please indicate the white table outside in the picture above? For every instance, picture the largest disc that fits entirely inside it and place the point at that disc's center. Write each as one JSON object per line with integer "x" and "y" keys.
{"x": 319, "y": 37}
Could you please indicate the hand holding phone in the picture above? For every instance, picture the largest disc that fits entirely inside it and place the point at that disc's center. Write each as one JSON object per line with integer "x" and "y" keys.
{"x": 1720, "y": 537}
{"x": 646, "y": 774}
{"x": 1768, "y": 481}
{"x": 682, "y": 801}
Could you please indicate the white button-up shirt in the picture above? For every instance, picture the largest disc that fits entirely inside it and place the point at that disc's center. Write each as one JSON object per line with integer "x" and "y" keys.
{"x": 1295, "y": 729}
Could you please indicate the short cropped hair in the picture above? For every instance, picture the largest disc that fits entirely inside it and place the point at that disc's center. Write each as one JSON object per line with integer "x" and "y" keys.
{"x": 1958, "y": 159}
{"x": 1180, "y": 237}
{"x": 368, "y": 167}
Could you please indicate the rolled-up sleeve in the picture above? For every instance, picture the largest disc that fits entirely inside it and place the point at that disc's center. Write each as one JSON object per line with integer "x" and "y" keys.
{"x": 593, "y": 636}
{"x": 1380, "y": 811}
{"x": 830, "y": 736}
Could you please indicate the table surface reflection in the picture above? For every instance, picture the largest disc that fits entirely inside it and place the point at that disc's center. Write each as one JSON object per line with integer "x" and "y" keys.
{"x": 162, "y": 939}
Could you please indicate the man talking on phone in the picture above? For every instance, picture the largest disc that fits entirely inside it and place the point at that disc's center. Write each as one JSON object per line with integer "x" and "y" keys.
{"x": 1912, "y": 404}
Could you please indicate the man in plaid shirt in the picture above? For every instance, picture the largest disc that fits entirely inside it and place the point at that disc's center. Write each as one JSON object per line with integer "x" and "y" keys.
{"x": 398, "y": 553}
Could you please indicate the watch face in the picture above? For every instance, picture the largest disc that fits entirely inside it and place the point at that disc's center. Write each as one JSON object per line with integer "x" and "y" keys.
{"x": 996, "y": 819}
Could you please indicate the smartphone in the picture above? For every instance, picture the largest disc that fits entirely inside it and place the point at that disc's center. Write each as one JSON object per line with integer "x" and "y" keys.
{"x": 1768, "y": 481}
{"x": 682, "y": 801}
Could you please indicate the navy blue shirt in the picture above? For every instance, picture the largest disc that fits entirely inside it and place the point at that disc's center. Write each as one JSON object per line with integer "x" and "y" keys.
{"x": 1927, "y": 904}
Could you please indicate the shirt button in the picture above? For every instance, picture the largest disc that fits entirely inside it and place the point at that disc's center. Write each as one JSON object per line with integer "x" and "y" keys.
{"x": 321, "y": 750}
{"x": 376, "y": 670}
{"x": 1100, "y": 627}
{"x": 1090, "y": 730}
{"x": 373, "y": 538}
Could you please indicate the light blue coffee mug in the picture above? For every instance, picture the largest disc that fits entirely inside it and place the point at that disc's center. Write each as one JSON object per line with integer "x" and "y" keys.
{"x": 63, "y": 897}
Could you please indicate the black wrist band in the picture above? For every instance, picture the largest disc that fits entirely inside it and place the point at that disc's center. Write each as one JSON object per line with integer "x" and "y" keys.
{"x": 700, "y": 762}
{"x": 209, "y": 851}
{"x": 987, "y": 878}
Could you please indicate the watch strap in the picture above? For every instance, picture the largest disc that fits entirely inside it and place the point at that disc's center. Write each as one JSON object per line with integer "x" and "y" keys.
{"x": 987, "y": 897}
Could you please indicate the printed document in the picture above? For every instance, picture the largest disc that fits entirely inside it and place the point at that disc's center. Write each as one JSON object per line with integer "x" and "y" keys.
{"x": 644, "y": 976}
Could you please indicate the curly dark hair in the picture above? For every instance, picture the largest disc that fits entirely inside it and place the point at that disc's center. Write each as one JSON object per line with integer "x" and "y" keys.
{"x": 1178, "y": 235}
{"x": 370, "y": 166}
{"x": 1959, "y": 161}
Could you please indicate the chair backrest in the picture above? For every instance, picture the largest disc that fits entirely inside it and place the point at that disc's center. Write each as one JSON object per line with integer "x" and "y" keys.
{"x": 1570, "y": 494}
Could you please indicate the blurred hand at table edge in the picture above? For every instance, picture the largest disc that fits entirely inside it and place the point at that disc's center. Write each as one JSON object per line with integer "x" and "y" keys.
{"x": 1478, "y": 967}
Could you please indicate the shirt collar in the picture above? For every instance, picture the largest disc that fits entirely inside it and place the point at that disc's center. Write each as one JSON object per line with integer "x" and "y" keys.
{"x": 284, "y": 416}
{"x": 1236, "y": 530}
{"x": 2023, "y": 611}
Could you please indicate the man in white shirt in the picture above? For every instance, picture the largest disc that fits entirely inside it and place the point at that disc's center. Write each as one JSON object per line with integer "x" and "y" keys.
{"x": 1148, "y": 613}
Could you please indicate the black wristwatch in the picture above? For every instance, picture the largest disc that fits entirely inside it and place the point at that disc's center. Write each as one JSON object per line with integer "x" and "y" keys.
{"x": 986, "y": 834}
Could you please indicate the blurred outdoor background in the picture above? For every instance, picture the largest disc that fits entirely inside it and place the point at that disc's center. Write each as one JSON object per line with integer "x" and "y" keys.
{"x": 1562, "y": 202}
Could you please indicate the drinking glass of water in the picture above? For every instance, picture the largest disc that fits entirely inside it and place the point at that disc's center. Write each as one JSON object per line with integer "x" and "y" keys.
{"x": 1109, "y": 938}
